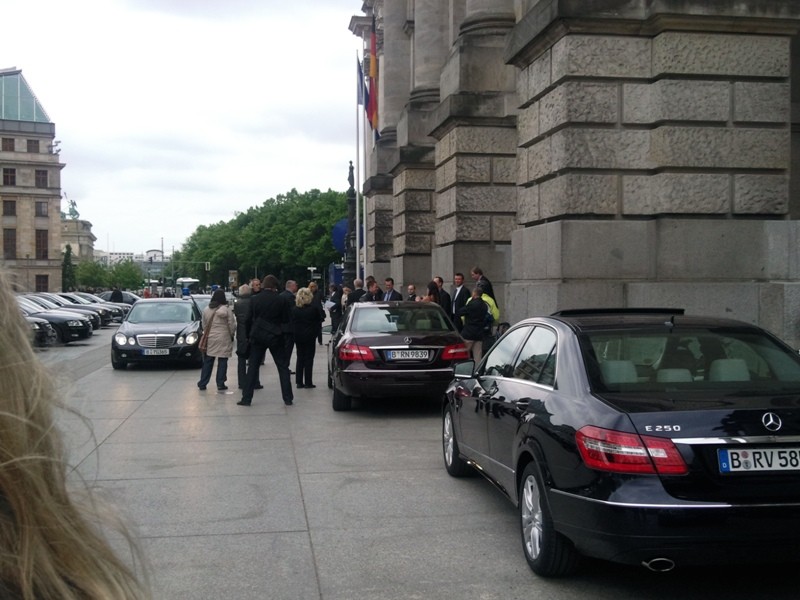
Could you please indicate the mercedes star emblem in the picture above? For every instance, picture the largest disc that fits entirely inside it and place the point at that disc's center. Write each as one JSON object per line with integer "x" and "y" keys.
{"x": 771, "y": 421}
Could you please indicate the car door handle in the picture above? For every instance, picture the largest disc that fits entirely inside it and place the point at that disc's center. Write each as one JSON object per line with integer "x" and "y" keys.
{"x": 522, "y": 404}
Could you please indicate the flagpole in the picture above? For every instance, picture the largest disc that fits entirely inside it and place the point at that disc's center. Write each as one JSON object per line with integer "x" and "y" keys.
{"x": 358, "y": 182}
{"x": 364, "y": 200}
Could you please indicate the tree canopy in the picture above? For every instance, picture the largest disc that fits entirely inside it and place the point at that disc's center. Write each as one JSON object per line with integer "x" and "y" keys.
{"x": 284, "y": 236}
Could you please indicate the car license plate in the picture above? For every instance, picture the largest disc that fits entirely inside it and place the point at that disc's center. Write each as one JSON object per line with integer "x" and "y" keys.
{"x": 759, "y": 459}
{"x": 407, "y": 355}
{"x": 156, "y": 351}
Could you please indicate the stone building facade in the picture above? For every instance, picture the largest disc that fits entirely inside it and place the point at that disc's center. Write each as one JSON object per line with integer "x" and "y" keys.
{"x": 30, "y": 189}
{"x": 591, "y": 152}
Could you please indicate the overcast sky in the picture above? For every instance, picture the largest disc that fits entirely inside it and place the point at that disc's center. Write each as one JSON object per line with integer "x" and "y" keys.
{"x": 179, "y": 113}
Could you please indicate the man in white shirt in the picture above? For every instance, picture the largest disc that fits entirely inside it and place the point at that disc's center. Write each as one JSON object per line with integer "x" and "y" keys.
{"x": 459, "y": 297}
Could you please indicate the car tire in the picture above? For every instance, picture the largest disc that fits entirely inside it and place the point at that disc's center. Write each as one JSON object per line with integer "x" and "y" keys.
{"x": 548, "y": 553}
{"x": 341, "y": 401}
{"x": 455, "y": 465}
{"x": 116, "y": 364}
{"x": 330, "y": 380}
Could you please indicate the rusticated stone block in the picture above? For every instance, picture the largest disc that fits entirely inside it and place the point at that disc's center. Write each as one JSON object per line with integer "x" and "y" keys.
{"x": 528, "y": 204}
{"x": 598, "y": 149}
{"x": 676, "y": 100}
{"x": 414, "y": 200}
{"x": 485, "y": 140}
{"x": 709, "y": 54}
{"x": 528, "y": 124}
{"x": 675, "y": 193}
{"x": 761, "y": 194}
{"x": 736, "y": 301}
{"x": 418, "y": 222}
{"x": 539, "y": 77}
{"x": 761, "y": 102}
{"x": 382, "y": 218}
{"x": 420, "y": 179}
{"x": 446, "y": 231}
{"x": 522, "y": 166}
{"x": 446, "y": 174}
{"x": 412, "y": 244}
{"x": 485, "y": 198}
{"x": 504, "y": 169}
{"x": 578, "y": 102}
{"x": 578, "y": 194}
{"x": 539, "y": 159}
{"x": 473, "y": 169}
{"x": 601, "y": 56}
{"x": 704, "y": 147}
{"x": 444, "y": 148}
{"x": 502, "y": 227}
{"x": 473, "y": 228}
{"x": 445, "y": 203}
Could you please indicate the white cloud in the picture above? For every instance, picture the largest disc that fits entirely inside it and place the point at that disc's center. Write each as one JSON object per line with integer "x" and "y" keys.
{"x": 173, "y": 114}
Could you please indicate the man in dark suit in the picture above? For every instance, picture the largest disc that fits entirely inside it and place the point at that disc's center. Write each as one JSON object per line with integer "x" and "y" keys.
{"x": 459, "y": 298}
{"x": 270, "y": 313}
{"x": 335, "y": 308}
{"x": 357, "y": 292}
{"x": 289, "y": 291}
{"x": 389, "y": 292}
{"x": 374, "y": 293}
{"x": 412, "y": 292}
{"x": 480, "y": 279}
{"x": 445, "y": 301}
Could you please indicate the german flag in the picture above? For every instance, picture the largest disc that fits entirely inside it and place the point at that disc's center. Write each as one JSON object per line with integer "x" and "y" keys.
{"x": 372, "y": 101}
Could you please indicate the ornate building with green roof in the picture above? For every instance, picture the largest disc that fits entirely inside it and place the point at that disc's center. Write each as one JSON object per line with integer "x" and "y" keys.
{"x": 30, "y": 189}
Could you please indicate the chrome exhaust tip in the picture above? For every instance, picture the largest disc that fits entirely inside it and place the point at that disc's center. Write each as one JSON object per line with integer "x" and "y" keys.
{"x": 659, "y": 565}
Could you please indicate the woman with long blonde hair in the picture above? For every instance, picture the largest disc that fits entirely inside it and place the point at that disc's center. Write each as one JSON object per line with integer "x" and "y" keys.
{"x": 52, "y": 542}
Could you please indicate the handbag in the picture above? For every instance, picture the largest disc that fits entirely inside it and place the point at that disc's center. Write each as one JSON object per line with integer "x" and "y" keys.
{"x": 203, "y": 345}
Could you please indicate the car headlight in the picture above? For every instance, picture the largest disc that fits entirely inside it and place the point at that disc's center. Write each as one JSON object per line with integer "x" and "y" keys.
{"x": 74, "y": 323}
{"x": 122, "y": 339}
{"x": 35, "y": 326}
{"x": 192, "y": 338}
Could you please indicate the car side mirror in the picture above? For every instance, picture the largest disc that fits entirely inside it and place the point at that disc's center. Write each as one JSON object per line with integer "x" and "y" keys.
{"x": 464, "y": 369}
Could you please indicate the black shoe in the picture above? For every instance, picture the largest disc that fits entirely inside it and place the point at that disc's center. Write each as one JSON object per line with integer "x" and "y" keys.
{"x": 243, "y": 403}
{"x": 292, "y": 373}
{"x": 310, "y": 385}
{"x": 222, "y": 387}
{"x": 289, "y": 403}
{"x": 259, "y": 387}
{"x": 300, "y": 386}
{"x": 201, "y": 387}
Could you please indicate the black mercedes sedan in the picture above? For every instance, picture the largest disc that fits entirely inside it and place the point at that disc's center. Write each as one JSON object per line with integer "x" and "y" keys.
{"x": 640, "y": 437}
{"x": 42, "y": 333}
{"x": 158, "y": 330}
{"x": 392, "y": 350}
{"x": 68, "y": 326}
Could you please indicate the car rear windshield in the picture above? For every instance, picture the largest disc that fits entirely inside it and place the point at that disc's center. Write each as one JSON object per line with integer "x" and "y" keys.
{"x": 637, "y": 361}
{"x": 384, "y": 319}
{"x": 157, "y": 312}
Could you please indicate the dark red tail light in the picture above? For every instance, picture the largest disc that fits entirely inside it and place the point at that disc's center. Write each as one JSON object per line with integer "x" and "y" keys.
{"x": 456, "y": 352}
{"x": 355, "y": 352}
{"x": 620, "y": 452}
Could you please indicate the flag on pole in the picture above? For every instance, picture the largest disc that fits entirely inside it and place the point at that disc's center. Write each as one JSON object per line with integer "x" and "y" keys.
{"x": 363, "y": 93}
{"x": 372, "y": 100}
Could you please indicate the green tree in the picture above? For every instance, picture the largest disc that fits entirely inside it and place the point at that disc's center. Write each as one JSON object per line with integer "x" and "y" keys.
{"x": 126, "y": 275}
{"x": 67, "y": 270}
{"x": 91, "y": 275}
{"x": 284, "y": 236}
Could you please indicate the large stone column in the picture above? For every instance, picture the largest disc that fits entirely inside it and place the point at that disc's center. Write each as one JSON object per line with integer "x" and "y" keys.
{"x": 654, "y": 152}
{"x": 476, "y": 149}
{"x": 413, "y": 168}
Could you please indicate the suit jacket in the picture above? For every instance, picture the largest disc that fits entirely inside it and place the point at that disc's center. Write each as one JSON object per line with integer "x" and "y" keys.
{"x": 393, "y": 295}
{"x": 446, "y": 302}
{"x": 355, "y": 296}
{"x": 458, "y": 300}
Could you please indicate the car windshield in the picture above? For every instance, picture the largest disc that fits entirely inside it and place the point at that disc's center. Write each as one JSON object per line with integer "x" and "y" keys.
{"x": 160, "y": 312}
{"x": 694, "y": 359}
{"x": 385, "y": 319}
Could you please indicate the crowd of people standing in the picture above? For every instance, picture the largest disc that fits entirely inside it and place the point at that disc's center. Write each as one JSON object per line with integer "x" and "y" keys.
{"x": 286, "y": 320}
